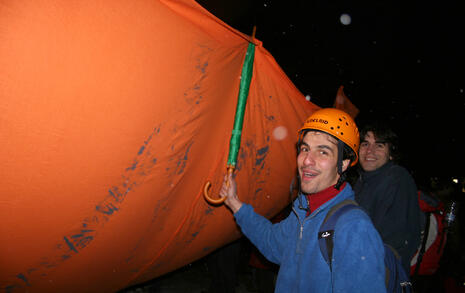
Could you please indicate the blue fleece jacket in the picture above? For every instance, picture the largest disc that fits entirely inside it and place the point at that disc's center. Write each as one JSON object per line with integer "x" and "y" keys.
{"x": 358, "y": 253}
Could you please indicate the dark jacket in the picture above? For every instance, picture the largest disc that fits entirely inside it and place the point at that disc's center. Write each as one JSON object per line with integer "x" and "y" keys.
{"x": 389, "y": 196}
{"x": 358, "y": 253}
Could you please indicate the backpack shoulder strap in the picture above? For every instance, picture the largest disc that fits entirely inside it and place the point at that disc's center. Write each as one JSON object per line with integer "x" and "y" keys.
{"x": 397, "y": 279}
{"x": 326, "y": 232}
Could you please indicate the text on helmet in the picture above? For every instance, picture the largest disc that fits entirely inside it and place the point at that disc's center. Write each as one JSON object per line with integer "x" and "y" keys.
{"x": 317, "y": 120}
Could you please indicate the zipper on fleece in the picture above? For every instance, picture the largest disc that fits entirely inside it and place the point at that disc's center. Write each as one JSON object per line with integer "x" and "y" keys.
{"x": 299, "y": 249}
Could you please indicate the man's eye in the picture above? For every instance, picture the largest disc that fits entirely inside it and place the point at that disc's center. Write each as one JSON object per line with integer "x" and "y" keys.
{"x": 380, "y": 145}
{"x": 304, "y": 149}
{"x": 364, "y": 144}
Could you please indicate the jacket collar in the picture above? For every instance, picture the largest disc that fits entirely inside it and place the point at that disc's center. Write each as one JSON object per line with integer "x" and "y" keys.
{"x": 344, "y": 194}
{"x": 370, "y": 174}
{"x": 317, "y": 199}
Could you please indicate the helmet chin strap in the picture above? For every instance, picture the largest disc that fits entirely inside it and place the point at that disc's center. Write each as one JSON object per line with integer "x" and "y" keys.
{"x": 340, "y": 155}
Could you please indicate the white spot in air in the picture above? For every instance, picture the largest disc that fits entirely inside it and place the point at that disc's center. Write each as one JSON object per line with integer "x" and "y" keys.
{"x": 461, "y": 91}
{"x": 308, "y": 98}
{"x": 345, "y": 19}
{"x": 363, "y": 257}
{"x": 374, "y": 42}
{"x": 267, "y": 196}
{"x": 264, "y": 4}
{"x": 418, "y": 61}
{"x": 280, "y": 133}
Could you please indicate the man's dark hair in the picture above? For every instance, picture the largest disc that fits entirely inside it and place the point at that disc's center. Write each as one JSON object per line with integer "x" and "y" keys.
{"x": 348, "y": 154}
{"x": 383, "y": 133}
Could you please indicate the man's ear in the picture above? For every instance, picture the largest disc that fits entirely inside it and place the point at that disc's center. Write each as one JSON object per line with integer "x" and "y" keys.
{"x": 391, "y": 149}
{"x": 345, "y": 165}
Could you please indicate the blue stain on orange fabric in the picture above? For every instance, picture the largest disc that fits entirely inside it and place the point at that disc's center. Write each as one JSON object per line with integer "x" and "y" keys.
{"x": 182, "y": 162}
{"x": 71, "y": 245}
{"x": 109, "y": 209}
{"x": 141, "y": 150}
{"x": 10, "y": 288}
{"x": 261, "y": 155}
{"x": 23, "y": 277}
{"x": 202, "y": 67}
{"x": 116, "y": 194}
{"x": 134, "y": 165}
{"x": 207, "y": 248}
{"x": 208, "y": 211}
{"x": 263, "y": 150}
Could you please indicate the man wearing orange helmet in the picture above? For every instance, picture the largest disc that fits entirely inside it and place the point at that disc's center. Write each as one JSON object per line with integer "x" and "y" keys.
{"x": 327, "y": 146}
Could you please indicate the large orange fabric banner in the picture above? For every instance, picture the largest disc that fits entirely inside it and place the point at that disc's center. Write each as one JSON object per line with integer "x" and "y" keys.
{"x": 113, "y": 115}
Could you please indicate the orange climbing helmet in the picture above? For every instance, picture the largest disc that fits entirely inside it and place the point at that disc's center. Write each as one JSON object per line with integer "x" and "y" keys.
{"x": 337, "y": 123}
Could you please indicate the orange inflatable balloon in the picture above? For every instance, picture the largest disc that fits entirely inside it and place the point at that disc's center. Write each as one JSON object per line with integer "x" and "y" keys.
{"x": 113, "y": 115}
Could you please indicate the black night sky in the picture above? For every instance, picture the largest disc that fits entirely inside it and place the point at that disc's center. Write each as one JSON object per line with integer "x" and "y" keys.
{"x": 399, "y": 61}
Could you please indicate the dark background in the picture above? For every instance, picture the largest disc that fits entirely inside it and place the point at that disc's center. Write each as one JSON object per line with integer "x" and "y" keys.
{"x": 398, "y": 61}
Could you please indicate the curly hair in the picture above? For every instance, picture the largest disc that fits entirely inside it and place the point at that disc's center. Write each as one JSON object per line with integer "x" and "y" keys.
{"x": 383, "y": 133}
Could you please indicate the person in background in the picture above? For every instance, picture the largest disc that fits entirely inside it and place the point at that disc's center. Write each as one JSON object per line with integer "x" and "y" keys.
{"x": 387, "y": 191}
{"x": 327, "y": 145}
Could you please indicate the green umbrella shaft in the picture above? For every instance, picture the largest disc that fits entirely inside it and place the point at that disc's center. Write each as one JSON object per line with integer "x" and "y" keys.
{"x": 246, "y": 77}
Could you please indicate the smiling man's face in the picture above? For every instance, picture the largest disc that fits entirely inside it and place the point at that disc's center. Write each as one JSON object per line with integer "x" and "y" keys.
{"x": 373, "y": 154}
{"x": 317, "y": 162}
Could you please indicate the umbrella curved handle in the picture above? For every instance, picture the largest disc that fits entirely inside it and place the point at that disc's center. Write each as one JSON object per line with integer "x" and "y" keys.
{"x": 207, "y": 186}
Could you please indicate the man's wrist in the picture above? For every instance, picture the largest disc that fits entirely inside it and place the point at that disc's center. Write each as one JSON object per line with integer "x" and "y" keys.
{"x": 235, "y": 205}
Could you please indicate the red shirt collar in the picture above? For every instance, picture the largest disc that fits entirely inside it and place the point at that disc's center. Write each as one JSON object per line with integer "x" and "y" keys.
{"x": 315, "y": 200}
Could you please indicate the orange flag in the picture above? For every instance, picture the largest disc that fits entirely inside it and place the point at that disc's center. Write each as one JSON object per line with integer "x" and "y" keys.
{"x": 113, "y": 115}
{"x": 342, "y": 102}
